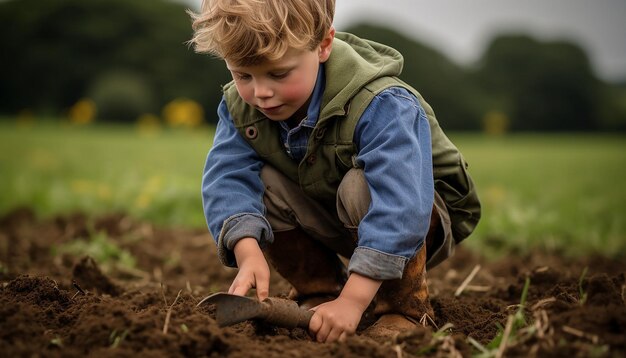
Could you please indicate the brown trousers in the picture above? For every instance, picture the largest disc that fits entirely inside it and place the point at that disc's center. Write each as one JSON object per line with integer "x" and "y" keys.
{"x": 308, "y": 237}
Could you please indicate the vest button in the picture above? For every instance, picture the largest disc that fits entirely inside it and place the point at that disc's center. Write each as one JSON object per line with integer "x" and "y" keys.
{"x": 251, "y": 132}
{"x": 311, "y": 159}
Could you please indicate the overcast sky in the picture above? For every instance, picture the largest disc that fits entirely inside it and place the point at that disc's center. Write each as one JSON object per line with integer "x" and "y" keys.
{"x": 462, "y": 28}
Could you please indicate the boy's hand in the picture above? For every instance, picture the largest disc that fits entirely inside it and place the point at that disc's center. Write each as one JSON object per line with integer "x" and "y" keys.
{"x": 335, "y": 320}
{"x": 253, "y": 270}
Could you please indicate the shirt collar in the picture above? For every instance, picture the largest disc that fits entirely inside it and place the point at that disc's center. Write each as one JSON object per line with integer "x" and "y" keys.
{"x": 313, "y": 111}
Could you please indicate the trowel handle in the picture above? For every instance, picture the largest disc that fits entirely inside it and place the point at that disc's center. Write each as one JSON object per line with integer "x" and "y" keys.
{"x": 285, "y": 313}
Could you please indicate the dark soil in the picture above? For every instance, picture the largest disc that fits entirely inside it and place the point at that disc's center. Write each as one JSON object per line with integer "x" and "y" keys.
{"x": 54, "y": 302}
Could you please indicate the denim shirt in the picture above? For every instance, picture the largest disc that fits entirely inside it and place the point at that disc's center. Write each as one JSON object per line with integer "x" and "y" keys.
{"x": 394, "y": 150}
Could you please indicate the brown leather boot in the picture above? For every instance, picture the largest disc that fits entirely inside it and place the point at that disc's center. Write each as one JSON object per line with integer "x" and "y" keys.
{"x": 401, "y": 304}
{"x": 315, "y": 272}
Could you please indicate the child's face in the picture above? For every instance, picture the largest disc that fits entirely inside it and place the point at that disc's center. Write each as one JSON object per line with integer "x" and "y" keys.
{"x": 281, "y": 88}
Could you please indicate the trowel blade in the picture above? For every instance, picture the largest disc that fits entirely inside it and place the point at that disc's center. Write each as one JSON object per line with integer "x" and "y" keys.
{"x": 232, "y": 309}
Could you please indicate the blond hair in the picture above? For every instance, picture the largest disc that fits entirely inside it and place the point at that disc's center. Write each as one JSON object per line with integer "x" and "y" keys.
{"x": 249, "y": 32}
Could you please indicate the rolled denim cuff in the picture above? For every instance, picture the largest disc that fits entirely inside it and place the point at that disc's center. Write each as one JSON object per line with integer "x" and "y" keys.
{"x": 377, "y": 264}
{"x": 238, "y": 227}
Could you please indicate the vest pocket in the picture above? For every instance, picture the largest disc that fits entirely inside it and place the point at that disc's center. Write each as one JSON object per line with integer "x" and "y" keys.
{"x": 343, "y": 155}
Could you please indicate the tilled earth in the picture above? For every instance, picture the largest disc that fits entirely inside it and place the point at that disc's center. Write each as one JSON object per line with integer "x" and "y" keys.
{"x": 59, "y": 301}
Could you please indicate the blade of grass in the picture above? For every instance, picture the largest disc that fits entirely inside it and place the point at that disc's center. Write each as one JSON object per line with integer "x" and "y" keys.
{"x": 467, "y": 280}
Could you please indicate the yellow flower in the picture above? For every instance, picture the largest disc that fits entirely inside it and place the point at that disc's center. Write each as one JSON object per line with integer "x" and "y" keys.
{"x": 495, "y": 123}
{"x": 82, "y": 112}
{"x": 183, "y": 113}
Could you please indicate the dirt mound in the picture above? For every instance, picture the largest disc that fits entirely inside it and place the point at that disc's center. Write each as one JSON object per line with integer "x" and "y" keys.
{"x": 64, "y": 293}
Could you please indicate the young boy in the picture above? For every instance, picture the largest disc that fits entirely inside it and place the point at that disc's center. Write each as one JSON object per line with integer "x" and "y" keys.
{"x": 321, "y": 150}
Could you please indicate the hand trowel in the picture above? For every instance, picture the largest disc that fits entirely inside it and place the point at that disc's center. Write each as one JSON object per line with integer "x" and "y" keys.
{"x": 232, "y": 309}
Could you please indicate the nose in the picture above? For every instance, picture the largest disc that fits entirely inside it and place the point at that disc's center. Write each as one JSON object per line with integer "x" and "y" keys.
{"x": 262, "y": 90}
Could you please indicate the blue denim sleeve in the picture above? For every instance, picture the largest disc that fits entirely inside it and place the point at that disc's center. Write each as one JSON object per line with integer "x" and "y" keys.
{"x": 394, "y": 150}
{"x": 232, "y": 190}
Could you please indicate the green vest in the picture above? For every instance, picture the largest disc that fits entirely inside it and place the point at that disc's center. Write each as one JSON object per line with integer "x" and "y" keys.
{"x": 356, "y": 72}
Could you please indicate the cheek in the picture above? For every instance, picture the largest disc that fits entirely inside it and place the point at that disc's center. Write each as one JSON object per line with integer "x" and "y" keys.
{"x": 245, "y": 92}
{"x": 297, "y": 91}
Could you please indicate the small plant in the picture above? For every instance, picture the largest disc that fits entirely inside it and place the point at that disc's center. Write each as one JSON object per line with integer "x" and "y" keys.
{"x": 106, "y": 252}
{"x": 484, "y": 352}
{"x": 441, "y": 342}
{"x": 599, "y": 351}
{"x": 57, "y": 342}
{"x": 514, "y": 330}
{"x": 116, "y": 338}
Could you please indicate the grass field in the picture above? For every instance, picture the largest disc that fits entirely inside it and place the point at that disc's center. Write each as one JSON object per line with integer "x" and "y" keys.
{"x": 560, "y": 192}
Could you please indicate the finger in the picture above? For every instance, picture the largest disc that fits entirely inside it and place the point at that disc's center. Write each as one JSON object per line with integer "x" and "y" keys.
{"x": 333, "y": 335}
{"x": 323, "y": 332}
{"x": 343, "y": 336}
{"x": 315, "y": 324}
{"x": 239, "y": 290}
{"x": 262, "y": 288}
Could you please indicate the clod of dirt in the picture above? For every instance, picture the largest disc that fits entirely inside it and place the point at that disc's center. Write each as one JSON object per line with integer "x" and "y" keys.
{"x": 17, "y": 217}
{"x": 89, "y": 276}
{"x": 602, "y": 290}
{"x": 37, "y": 290}
{"x": 113, "y": 224}
{"x": 357, "y": 346}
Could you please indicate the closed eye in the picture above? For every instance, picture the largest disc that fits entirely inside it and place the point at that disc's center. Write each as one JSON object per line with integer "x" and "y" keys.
{"x": 279, "y": 75}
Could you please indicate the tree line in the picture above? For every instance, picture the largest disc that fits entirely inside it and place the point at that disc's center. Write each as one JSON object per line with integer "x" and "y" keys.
{"x": 131, "y": 59}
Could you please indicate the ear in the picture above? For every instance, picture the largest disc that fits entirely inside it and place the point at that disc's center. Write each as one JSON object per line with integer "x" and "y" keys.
{"x": 326, "y": 45}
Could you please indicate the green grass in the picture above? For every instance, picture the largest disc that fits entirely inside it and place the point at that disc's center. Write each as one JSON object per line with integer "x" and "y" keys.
{"x": 559, "y": 192}
{"x": 58, "y": 169}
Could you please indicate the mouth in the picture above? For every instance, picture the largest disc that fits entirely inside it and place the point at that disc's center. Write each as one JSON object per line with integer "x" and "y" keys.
{"x": 270, "y": 109}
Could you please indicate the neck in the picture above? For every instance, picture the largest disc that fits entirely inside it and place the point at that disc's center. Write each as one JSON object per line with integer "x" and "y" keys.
{"x": 299, "y": 116}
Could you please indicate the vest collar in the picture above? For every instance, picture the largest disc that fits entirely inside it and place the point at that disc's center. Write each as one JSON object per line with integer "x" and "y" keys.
{"x": 353, "y": 63}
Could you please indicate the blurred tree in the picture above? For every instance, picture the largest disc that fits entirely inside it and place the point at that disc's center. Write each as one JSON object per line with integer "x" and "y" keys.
{"x": 541, "y": 86}
{"x": 122, "y": 95}
{"x": 54, "y": 52}
{"x": 444, "y": 85}
{"x": 614, "y": 108}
